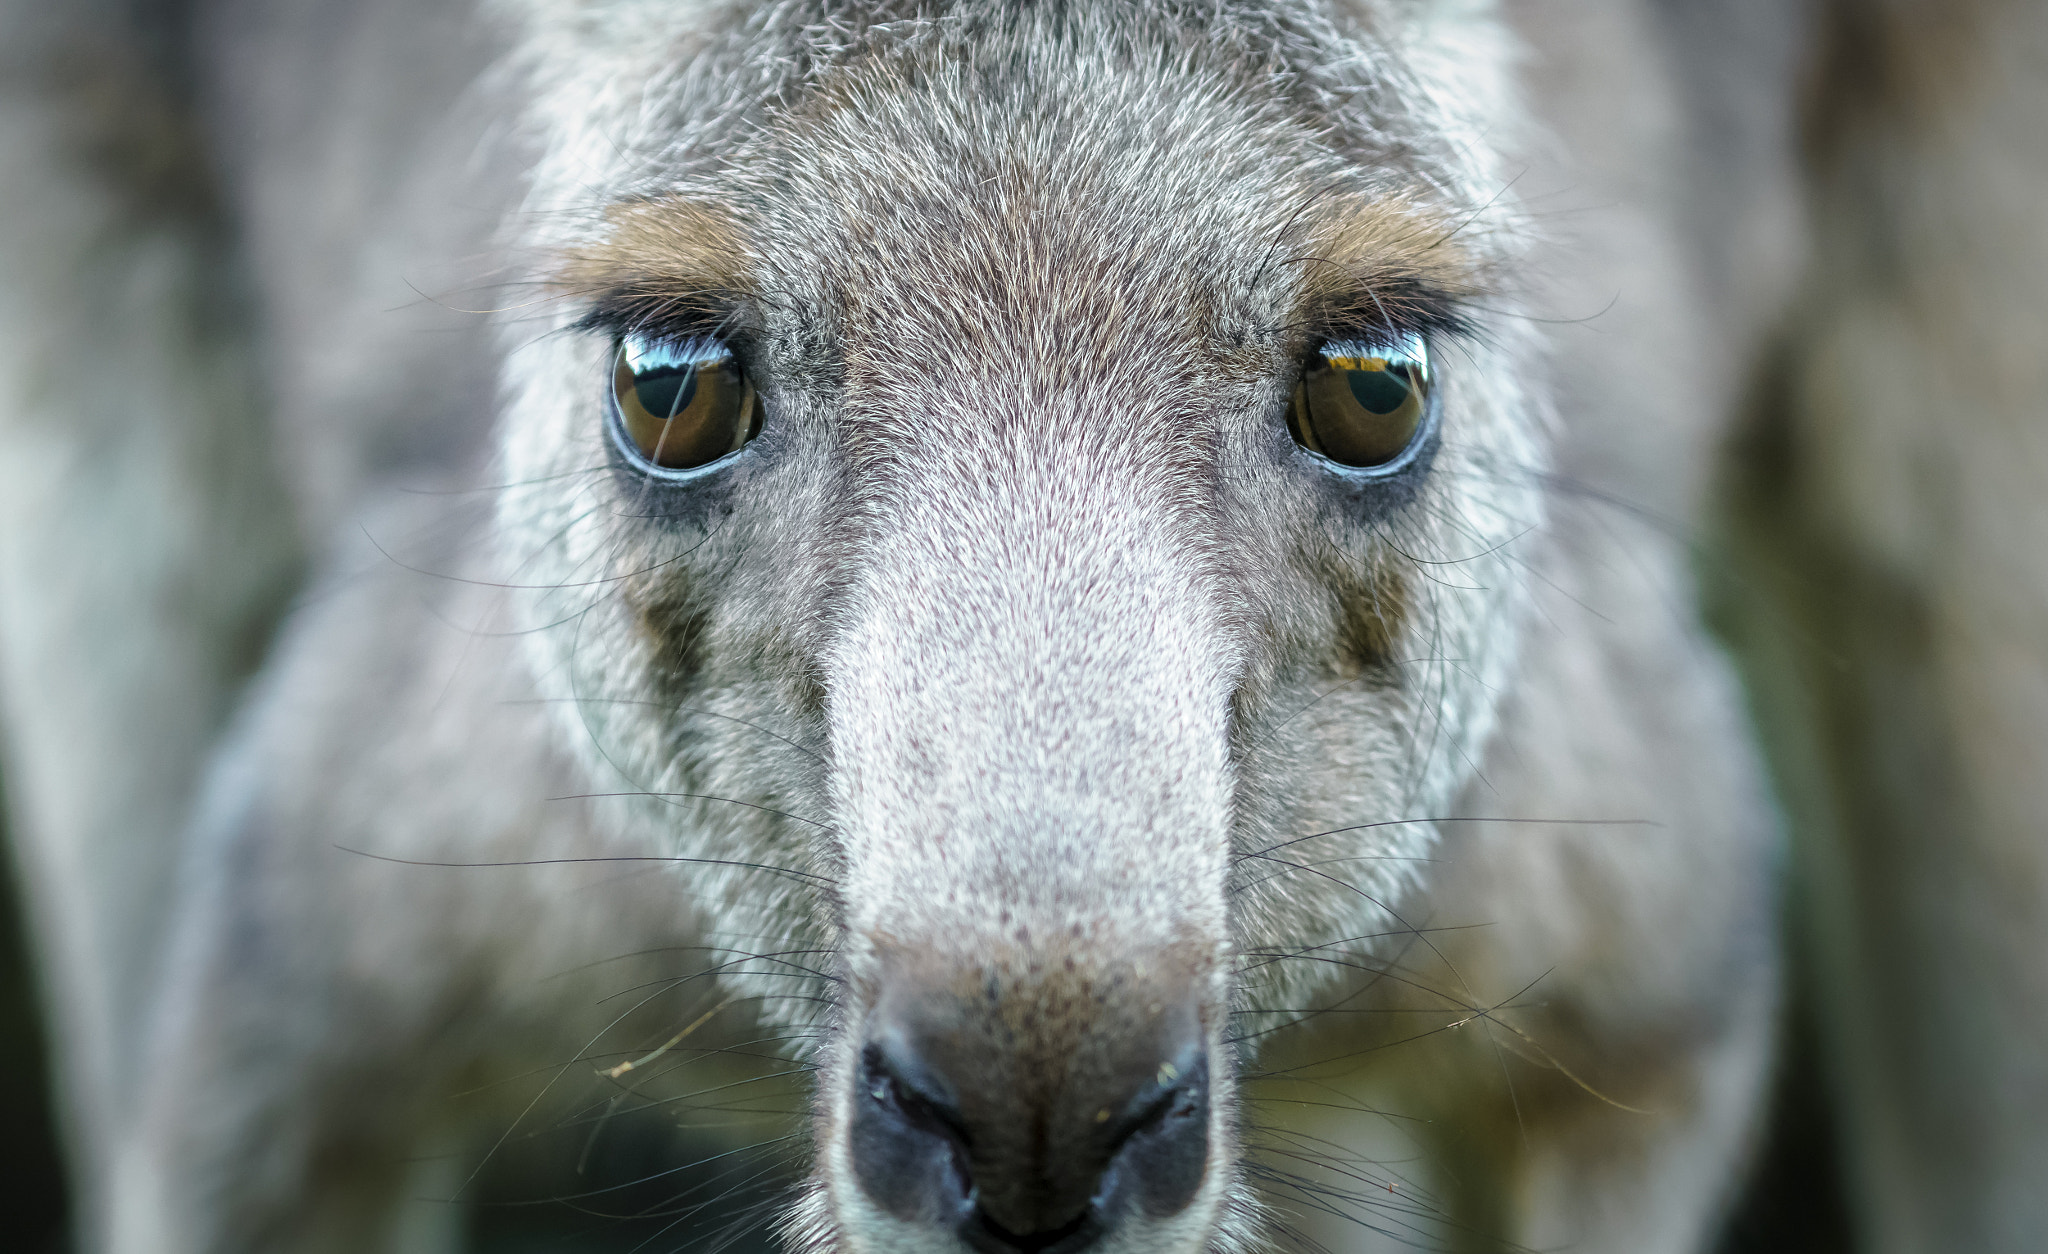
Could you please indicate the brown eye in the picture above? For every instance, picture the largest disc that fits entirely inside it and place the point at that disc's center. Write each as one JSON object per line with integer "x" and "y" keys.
{"x": 1362, "y": 404}
{"x": 683, "y": 403}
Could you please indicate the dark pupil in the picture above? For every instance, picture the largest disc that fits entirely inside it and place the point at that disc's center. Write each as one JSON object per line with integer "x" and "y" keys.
{"x": 666, "y": 391}
{"x": 1380, "y": 391}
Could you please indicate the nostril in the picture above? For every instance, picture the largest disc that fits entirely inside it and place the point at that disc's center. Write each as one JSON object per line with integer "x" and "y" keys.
{"x": 919, "y": 1099}
{"x": 1163, "y": 1153}
{"x": 908, "y": 1144}
{"x": 1177, "y": 1094}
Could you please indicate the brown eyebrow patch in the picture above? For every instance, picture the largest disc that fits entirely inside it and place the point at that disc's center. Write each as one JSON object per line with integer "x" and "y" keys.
{"x": 671, "y": 255}
{"x": 1387, "y": 260}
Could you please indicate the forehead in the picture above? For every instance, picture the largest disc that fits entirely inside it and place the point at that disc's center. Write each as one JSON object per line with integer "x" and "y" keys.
{"x": 1043, "y": 160}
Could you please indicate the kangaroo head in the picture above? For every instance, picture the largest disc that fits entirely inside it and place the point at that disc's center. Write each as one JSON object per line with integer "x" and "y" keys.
{"x": 1025, "y": 491}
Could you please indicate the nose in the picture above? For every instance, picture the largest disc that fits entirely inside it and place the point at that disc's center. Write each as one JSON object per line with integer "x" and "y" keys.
{"x": 1025, "y": 1129}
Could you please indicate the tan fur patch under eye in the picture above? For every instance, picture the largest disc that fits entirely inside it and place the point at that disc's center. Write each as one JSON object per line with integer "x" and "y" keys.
{"x": 676, "y": 631}
{"x": 665, "y": 251}
{"x": 1371, "y": 615}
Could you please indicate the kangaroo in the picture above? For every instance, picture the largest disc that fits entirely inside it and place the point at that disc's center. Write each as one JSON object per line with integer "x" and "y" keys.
{"x": 1098, "y": 591}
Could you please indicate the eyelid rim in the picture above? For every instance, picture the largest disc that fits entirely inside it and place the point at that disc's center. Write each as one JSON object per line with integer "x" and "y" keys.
{"x": 722, "y": 344}
{"x": 625, "y": 447}
{"x": 1386, "y": 346}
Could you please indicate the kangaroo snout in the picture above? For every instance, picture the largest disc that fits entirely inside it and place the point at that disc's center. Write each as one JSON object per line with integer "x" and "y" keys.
{"x": 1035, "y": 1112}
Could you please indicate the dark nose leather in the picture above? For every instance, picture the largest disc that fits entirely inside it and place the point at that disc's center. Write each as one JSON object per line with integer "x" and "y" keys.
{"x": 1021, "y": 1130}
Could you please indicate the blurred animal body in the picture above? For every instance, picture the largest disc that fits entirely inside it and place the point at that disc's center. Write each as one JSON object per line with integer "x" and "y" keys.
{"x": 1109, "y": 581}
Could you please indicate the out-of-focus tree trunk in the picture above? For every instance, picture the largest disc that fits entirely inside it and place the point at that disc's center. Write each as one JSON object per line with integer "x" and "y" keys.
{"x": 1887, "y": 585}
{"x": 146, "y": 546}
{"x": 32, "y": 1183}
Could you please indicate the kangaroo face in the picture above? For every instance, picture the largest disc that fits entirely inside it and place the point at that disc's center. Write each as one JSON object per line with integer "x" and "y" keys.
{"x": 1026, "y": 503}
